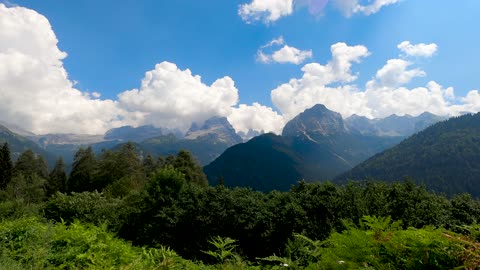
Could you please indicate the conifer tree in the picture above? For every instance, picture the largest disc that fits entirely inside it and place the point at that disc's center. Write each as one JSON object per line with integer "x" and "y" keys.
{"x": 57, "y": 180}
{"x": 6, "y": 166}
{"x": 26, "y": 164}
{"x": 84, "y": 169}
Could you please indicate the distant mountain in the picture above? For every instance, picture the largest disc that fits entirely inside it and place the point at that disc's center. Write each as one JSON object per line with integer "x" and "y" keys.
{"x": 393, "y": 125}
{"x": 16, "y": 129}
{"x": 445, "y": 157}
{"x": 218, "y": 127}
{"x": 315, "y": 145}
{"x": 65, "y": 139}
{"x": 205, "y": 142}
{"x": 249, "y": 134}
{"x": 18, "y": 144}
{"x": 136, "y": 134}
{"x": 317, "y": 121}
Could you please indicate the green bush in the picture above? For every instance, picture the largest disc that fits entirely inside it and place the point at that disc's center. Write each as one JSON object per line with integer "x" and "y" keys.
{"x": 28, "y": 243}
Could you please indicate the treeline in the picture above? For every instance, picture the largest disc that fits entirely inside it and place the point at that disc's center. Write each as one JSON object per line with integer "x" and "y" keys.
{"x": 117, "y": 173}
{"x": 156, "y": 202}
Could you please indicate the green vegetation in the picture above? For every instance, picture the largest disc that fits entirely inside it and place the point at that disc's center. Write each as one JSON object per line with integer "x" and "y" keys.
{"x": 118, "y": 211}
{"x": 445, "y": 157}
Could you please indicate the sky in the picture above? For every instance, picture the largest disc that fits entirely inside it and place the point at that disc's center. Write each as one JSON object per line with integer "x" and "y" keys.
{"x": 89, "y": 66}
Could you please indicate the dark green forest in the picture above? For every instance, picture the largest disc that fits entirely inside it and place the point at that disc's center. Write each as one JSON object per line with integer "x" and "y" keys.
{"x": 118, "y": 210}
{"x": 445, "y": 157}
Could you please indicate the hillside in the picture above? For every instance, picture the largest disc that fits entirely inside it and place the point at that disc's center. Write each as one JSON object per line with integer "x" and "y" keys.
{"x": 315, "y": 145}
{"x": 445, "y": 157}
{"x": 18, "y": 144}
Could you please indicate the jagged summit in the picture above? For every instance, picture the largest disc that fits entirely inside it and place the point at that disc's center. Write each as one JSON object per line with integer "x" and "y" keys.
{"x": 217, "y": 127}
{"x": 315, "y": 121}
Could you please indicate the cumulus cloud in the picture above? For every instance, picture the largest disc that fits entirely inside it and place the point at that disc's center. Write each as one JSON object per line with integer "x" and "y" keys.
{"x": 265, "y": 10}
{"x": 285, "y": 54}
{"x": 418, "y": 50}
{"x": 256, "y": 117}
{"x": 174, "y": 98}
{"x": 351, "y": 7}
{"x": 35, "y": 91}
{"x": 384, "y": 95}
{"x": 395, "y": 73}
{"x": 299, "y": 94}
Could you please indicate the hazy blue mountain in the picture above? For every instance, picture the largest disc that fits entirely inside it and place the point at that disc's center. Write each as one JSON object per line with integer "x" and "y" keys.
{"x": 315, "y": 145}
{"x": 445, "y": 157}
{"x": 393, "y": 125}
{"x": 18, "y": 144}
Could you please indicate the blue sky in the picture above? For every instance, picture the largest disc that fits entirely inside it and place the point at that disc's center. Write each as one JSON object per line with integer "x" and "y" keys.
{"x": 112, "y": 44}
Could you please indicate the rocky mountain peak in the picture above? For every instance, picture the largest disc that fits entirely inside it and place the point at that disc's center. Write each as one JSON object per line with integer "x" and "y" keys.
{"x": 218, "y": 127}
{"x": 315, "y": 121}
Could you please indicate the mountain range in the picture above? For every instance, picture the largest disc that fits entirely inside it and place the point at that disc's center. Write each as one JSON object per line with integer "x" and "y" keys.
{"x": 316, "y": 145}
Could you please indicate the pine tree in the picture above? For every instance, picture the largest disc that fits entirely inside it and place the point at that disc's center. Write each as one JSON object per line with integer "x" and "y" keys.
{"x": 26, "y": 164}
{"x": 84, "y": 169}
{"x": 6, "y": 166}
{"x": 57, "y": 180}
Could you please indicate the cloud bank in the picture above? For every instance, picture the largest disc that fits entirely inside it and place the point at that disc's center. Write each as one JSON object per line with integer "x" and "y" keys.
{"x": 36, "y": 93}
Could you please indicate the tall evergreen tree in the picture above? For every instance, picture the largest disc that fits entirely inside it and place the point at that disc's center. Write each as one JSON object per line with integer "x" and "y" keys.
{"x": 149, "y": 165}
{"x": 6, "y": 166}
{"x": 186, "y": 164}
{"x": 41, "y": 168}
{"x": 26, "y": 164}
{"x": 57, "y": 180}
{"x": 29, "y": 164}
{"x": 84, "y": 169}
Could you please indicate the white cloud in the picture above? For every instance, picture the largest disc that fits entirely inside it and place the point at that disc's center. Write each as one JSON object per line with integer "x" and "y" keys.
{"x": 275, "y": 41}
{"x": 350, "y": 7}
{"x": 256, "y": 117}
{"x": 174, "y": 98}
{"x": 286, "y": 54}
{"x": 418, "y": 50}
{"x": 265, "y": 10}
{"x": 292, "y": 55}
{"x": 299, "y": 94}
{"x": 269, "y": 11}
{"x": 384, "y": 95}
{"x": 35, "y": 91}
{"x": 395, "y": 73}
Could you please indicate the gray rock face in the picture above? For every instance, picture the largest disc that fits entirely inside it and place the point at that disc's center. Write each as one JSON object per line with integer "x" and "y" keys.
{"x": 217, "y": 128}
{"x": 315, "y": 121}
